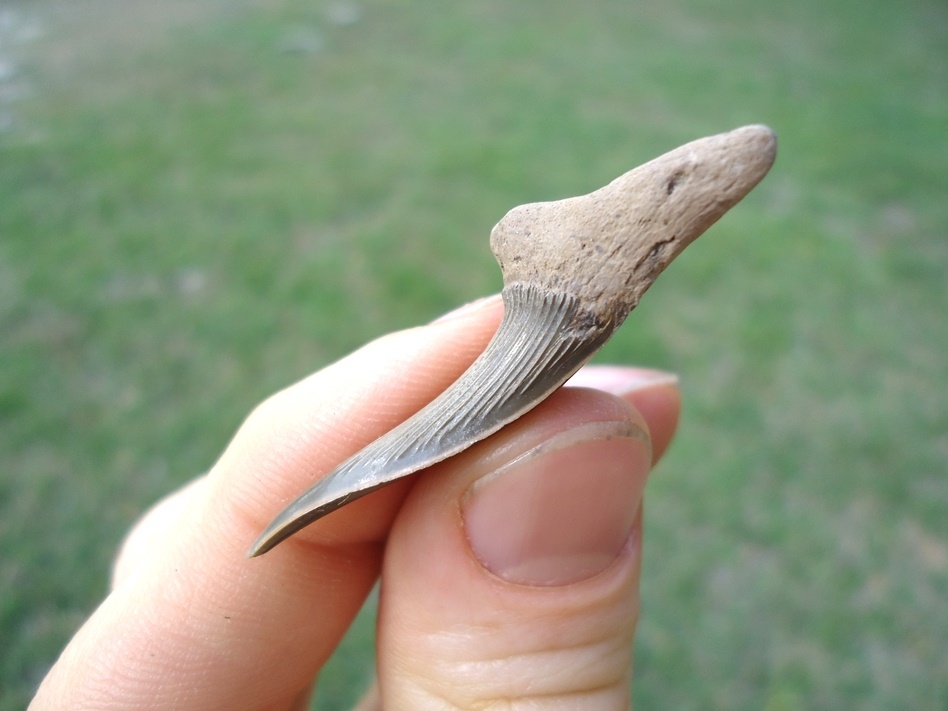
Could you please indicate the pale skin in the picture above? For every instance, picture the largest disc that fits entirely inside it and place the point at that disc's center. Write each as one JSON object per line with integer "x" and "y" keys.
{"x": 509, "y": 574}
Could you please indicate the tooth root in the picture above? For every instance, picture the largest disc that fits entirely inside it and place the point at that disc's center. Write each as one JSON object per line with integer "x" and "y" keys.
{"x": 535, "y": 350}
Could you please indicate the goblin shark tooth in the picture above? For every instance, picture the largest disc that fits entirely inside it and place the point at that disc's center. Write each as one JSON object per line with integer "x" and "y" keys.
{"x": 573, "y": 270}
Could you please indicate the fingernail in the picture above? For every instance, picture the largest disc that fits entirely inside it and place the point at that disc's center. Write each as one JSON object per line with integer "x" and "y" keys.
{"x": 469, "y": 308}
{"x": 561, "y": 512}
{"x": 620, "y": 381}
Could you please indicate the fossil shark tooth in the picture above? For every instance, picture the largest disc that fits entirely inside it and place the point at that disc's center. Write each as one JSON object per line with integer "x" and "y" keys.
{"x": 573, "y": 270}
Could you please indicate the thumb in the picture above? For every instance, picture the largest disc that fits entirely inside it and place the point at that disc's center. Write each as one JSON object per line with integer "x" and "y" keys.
{"x": 511, "y": 574}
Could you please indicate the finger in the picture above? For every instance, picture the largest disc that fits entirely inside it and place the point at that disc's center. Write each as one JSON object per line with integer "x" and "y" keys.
{"x": 194, "y": 624}
{"x": 654, "y": 393}
{"x": 636, "y": 385}
{"x": 511, "y": 574}
{"x": 149, "y": 533}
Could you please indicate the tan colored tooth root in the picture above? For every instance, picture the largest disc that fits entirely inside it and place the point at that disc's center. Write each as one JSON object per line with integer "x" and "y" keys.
{"x": 573, "y": 270}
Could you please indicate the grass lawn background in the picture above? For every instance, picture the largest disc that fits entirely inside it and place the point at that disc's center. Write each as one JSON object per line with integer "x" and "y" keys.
{"x": 201, "y": 202}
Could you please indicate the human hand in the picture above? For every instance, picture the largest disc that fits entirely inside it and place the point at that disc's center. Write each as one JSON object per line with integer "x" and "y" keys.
{"x": 509, "y": 572}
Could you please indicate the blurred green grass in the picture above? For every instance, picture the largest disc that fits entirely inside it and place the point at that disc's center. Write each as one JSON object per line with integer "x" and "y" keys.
{"x": 201, "y": 203}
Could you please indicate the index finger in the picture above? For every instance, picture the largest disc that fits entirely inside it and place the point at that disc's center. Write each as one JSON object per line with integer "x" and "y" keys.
{"x": 197, "y": 624}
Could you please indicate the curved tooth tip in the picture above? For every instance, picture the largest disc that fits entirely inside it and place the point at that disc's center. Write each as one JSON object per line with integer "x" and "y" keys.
{"x": 273, "y": 534}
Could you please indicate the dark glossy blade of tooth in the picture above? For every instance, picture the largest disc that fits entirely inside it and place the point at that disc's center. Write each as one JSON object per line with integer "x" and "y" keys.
{"x": 543, "y": 339}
